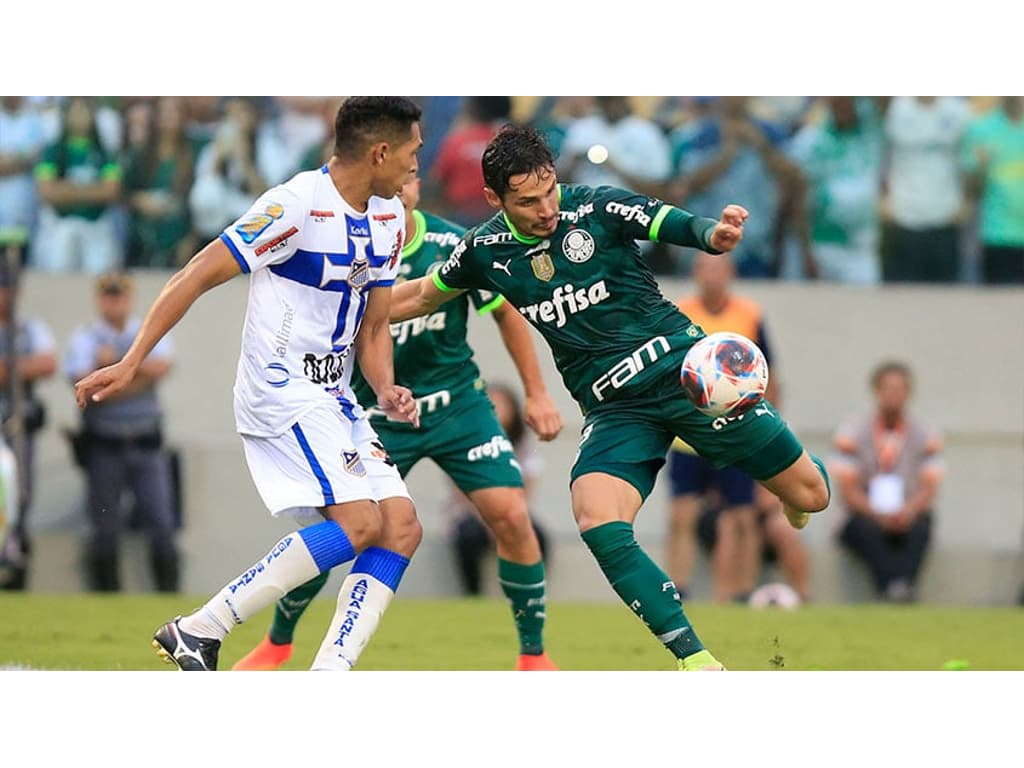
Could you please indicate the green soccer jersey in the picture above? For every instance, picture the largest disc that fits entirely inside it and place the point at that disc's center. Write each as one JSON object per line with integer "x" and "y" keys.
{"x": 432, "y": 357}
{"x": 586, "y": 288}
{"x": 84, "y": 163}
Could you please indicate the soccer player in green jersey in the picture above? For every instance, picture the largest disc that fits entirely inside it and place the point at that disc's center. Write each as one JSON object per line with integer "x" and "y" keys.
{"x": 459, "y": 430}
{"x": 566, "y": 256}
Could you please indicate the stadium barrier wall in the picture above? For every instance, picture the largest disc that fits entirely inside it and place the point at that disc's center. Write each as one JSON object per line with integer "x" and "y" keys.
{"x": 965, "y": 344}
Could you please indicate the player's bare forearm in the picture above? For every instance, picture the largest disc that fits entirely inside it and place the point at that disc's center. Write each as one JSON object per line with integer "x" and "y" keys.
{"x": 515, "y": 335}
{"x": 212, "y": 266}
{"x": 540, "y": 412}
{"x": 374, "y": 347}
{"x": 375, "y": 352}
{"x": 415, "y": 298}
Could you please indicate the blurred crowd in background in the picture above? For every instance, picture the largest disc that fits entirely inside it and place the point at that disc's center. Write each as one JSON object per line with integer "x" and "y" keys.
{"x": 855, "y": 190}
{"x": 847, "y": 189}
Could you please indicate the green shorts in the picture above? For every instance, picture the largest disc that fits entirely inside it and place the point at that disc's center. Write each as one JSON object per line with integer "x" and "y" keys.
{"x": 465, "y": 440}
{"x": 629, "y": 438}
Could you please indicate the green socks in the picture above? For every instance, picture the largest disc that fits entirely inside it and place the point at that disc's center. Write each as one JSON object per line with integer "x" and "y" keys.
{"x": 523, "y": 585}
{"x": 824, "y": 474}
{"x": 643, "y": 586}
{"x": 290, "y": 608}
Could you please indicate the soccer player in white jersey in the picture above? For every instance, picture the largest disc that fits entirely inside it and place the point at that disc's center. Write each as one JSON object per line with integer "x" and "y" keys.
{"x": 322, "y": 251}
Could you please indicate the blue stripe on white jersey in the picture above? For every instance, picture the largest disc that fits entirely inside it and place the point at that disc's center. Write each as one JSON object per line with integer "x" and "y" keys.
{"x": 235, "y": 252}
{"x": 313, "y": 261}
{"x": 312, "y": 269}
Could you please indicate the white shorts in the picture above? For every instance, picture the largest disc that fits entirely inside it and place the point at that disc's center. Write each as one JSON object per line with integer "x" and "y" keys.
{"x": 323, "y": 459}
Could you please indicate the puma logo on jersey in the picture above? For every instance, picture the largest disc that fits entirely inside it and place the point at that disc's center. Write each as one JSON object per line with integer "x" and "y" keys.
{"x": 502, "y": 267}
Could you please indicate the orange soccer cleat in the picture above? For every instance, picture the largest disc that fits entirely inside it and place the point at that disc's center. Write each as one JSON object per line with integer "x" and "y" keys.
{"x": 264, "y": 657}
{"x": 539, "y": 663}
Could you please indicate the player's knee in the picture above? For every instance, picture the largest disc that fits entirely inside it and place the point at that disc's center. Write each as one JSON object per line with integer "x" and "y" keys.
{"x": 510, "y": 523}
{"x": 364, "y": 527}
{"x": 817, "y": 496}
{"x": 409, "y": 536}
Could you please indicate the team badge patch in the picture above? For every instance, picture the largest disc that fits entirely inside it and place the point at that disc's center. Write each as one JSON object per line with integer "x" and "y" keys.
{"x": 257, "y": 224}
{"x": 353, "y": 464}
{"x": 578, "y": 245}
{"x": 359, "y": 274}
{"x": 543, "y": 267}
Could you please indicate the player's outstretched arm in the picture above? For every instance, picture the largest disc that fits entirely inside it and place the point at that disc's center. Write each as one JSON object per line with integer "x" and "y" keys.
{"x": 414, "y": 298}
{"x": 375, "y": 352}
{"x": 540, "y": 412}
{"x": 212, "y": 266}
{"x": 680, "y": 227}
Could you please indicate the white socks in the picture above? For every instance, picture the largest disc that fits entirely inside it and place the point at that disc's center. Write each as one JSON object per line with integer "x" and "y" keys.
{"x": 285, "y": 567}
{"x": 362, "y": 600}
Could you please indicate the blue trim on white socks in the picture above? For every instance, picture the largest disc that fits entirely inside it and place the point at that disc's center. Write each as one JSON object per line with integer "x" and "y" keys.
{"x": 384, "y": 565}
{"x": 327, "y": 544}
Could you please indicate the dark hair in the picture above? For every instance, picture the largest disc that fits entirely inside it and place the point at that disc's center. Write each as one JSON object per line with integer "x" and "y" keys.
{"x": 517, "y": 149}
{"x": 363, "y": 120}
{"x": 517, "y": 428}
{"x": 891, "y": 366}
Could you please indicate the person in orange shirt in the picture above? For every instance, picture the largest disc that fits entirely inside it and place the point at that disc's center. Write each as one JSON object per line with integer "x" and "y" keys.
{"x": 740, "y": 524}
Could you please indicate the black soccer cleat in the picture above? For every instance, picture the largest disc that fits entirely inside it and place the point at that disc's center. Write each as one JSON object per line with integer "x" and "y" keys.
{"x": 190, "y": 653}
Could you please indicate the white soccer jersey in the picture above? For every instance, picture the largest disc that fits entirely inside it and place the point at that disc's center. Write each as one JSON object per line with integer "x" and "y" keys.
{"x": 313, "y": 260}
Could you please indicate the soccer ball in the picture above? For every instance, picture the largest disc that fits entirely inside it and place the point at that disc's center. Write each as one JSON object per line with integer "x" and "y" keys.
{"x": 724, "y": 374}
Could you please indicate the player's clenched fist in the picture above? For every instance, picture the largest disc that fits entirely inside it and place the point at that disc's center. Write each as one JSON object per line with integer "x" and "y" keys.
{"x": 398, "y": 404}
{"x": 542, "y": 416}
{"x": 729, "y": 231}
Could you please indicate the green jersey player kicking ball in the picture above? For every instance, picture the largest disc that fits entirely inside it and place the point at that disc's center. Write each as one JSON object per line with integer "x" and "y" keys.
{"x": 566, "y": 256}
{"x": 459, "y": 430}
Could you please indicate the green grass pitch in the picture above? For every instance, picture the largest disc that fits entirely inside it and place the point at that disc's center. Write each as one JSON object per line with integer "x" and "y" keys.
{"x": 113, "y": 632}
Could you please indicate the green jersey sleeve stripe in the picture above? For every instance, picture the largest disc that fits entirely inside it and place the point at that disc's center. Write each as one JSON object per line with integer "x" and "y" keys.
{"x": 491, "y": 305}
{"x": 658, "y": 218}
{"x": 440, "y": 285}
{"x": 417, "y": 240}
